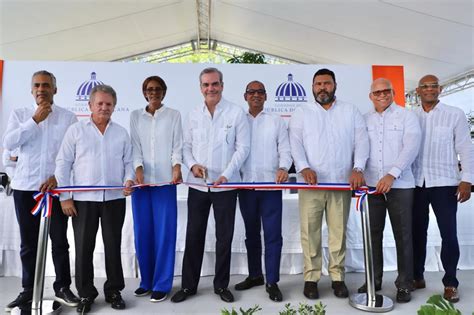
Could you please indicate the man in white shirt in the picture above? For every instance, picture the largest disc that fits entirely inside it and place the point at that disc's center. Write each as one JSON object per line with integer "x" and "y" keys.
{"x": 96, "y": 152}
{"x": 36, "y": 132}
{"x": 216, "y": 144}
{"x": 439, "y": 180}
{"x": 329, "y": 144}
{"x": 268, "y": 161}
{"x": 395, "y": 136}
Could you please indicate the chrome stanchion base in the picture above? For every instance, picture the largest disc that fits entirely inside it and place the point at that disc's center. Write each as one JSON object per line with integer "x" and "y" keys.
{"x": 381, "y": 304}
{"x": 47, "y": 307}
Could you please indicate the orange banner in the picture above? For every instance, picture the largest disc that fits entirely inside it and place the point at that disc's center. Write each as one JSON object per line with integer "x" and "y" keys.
{"x": 395, "y": 75}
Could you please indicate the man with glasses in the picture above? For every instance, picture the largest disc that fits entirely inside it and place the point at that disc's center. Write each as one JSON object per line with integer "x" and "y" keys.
{"x": 268, "y": 161}
{"x": 329, "y": 144}
{"x": 439, "y": 180}
{"x": 394, "y": 135}
{"x": 216, "y": 144}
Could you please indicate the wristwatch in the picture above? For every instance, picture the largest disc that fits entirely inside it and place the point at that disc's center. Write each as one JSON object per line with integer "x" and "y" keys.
{"x": 358, "y": 170}
{"x": 283, "y": 169}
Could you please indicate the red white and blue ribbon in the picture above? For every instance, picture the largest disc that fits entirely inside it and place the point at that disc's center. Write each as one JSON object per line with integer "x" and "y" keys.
{"x": 44, "y": 203}
{"x": 360, "y": 196}
{"x": 44, "y": 200}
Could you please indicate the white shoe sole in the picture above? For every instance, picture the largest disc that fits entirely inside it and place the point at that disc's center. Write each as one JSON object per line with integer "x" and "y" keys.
{"x": 143, "y": 294}
{"x": 162, "y": 299}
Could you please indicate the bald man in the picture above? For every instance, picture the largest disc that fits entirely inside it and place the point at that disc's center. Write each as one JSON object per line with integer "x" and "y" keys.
{"x": 440, "y": 181}
{"x": 394, "y": 135}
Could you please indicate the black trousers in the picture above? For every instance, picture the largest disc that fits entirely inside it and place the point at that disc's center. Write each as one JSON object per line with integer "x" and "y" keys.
{"x": 111, "y": 215}
{"x": 199, "y": 204}
{"x": 399, "y": 203}
{"x": 29, "y": 229}
{"x": 444, "y": 202}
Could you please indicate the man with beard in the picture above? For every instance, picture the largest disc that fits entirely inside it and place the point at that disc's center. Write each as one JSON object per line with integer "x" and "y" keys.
{"x": 329, "y": 144}
{"x": 439, "y": 181}
{"x": 268, "y": 161}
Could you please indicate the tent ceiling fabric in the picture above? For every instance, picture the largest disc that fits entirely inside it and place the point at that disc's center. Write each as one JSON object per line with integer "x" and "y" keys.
{"x": 435, "y": 36}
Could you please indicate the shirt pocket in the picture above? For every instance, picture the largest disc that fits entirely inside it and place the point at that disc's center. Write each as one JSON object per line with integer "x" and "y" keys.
{"x": 394, "y": 137}
{"x": 199, "y": 135}
{"x": 225, "y": 135}
{"x": 442, "y": 135}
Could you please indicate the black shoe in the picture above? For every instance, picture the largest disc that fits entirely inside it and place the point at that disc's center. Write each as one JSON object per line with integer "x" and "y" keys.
{"x": 141, "y": 292}
{"x": 225, "y": 294}
{"x": 403, "y": 295}
{"x": 84, "y": 305}
{"x": 311, "y": 290}
{"x": 274, "y": 292}
{"x": 115, "y": 300}
{"x": 419, "y": 284}
{"x": 157, "y": 296}
{"x": 340, "y": 289}
{"x": 249, "y": 283}
{"x": 363, "y": 288}
{"x": 182, "y": 295}
{"x": 66, "y": 297}
{"x": 23, "y": 298}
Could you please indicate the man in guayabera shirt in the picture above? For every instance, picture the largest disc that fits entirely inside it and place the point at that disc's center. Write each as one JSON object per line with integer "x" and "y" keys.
{"x": 268, "y": 161}
{"x": 329, "y": 144}
{"x": 216, "y": 144}
{"x": 36, "y": 133}
{"x": 97, "y": 152}
{"x": 395, "y": 136}
{"x": 439, "y": 181}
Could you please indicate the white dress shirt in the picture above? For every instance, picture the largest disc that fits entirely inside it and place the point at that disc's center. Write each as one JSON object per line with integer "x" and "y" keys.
{"x": 221, "y": 142}
{"x": 269, "y": 150}
{"x": 38, "y": 144}
{"x": 445, "y": 135}
{"x": 89, "y": 158}
{"x": 9, "y": 165}
{"x": 157, "y": 142}
{"x": 395, "y": 137}
{"x": 330, "y": 142}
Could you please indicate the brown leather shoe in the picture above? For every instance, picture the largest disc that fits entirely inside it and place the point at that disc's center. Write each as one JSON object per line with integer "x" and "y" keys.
{"x": 451, "y": 294}
{"x": 311, "y": 290}
{"x": 419, "y": 284}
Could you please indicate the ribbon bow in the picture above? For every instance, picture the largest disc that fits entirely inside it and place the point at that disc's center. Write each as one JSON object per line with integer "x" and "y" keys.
{"x": 44, "y": 203}
{"x": 360, "y": 196}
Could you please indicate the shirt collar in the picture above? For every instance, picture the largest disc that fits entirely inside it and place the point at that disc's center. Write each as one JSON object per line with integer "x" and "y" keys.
{"x": 219, "y": 107}
{"x": 389, "y": 109}
{"x": 259, "y": 114}
{"x": 35, "y": 106}
{"x": 144, "y": 112}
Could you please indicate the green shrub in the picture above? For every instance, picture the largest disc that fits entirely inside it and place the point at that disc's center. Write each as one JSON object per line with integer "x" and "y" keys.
{"x": 437, "y": 305}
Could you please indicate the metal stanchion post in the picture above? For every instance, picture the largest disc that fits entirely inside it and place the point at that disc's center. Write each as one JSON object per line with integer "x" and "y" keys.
{"x": 369, "y": 301}
{"x": 38, "y": 305}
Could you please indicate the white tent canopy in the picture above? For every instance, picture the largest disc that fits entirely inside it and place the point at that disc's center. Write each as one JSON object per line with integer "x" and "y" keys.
{"x": 425, "y": 36}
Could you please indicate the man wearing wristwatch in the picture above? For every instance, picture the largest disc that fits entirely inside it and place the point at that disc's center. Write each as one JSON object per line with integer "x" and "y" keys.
{"x": 329, "y": 144}
{"x": 268, "y": 161}
{"x": 395, "y": 136}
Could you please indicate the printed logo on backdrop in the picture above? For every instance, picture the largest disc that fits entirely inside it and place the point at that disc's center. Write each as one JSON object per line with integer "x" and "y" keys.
{"x": 288, "y": 96}
{"x": 81, "y": 104}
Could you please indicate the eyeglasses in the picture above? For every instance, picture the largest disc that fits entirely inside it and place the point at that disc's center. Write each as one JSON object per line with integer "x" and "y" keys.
{"x": 156, "y": 90}
{"x": 259, "y": 91}
{"x": 427, "y": 86}
{"x": 380, "y": 92}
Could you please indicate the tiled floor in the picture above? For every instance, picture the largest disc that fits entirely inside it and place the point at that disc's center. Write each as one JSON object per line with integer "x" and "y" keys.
{"x": 206, "y": 302}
